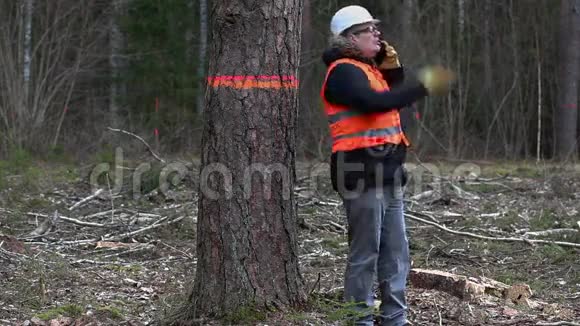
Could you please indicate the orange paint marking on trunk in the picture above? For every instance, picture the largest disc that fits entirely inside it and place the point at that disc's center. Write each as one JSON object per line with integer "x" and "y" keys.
{"x": 249, "y": 82}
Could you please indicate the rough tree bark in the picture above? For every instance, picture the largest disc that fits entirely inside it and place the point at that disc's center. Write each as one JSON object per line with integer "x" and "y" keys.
{"x": 247, "y": 248}
{"x": 567, "y": 112}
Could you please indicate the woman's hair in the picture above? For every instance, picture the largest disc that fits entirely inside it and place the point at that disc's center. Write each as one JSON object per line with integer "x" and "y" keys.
{"x": 340, "y": 39}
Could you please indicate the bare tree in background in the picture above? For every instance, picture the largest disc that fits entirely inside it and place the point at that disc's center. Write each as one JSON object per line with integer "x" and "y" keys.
{"x": 39, "y": 71}
{"x": 117, "y": 63}
{"x": 567, "y": 113}
{"x": 27, "y": 68}
{"x": 312, "y": 124}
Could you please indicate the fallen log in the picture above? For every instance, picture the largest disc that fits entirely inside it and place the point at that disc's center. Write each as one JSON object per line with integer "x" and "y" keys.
{"x": 469, "y": 289}
{"x": 456, "y": 285}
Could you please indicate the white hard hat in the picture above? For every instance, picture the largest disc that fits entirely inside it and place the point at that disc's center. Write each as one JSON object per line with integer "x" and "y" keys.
{"x": 350, "y": 16}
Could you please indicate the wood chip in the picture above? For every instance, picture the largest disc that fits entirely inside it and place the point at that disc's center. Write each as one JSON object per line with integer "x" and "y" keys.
{"x": 518, "y": 294}
{"x": 510, "y": 312}
{"x": 132, "y": 282}
{"x": 113, "y": 245}
{"x": 12, "y": 244}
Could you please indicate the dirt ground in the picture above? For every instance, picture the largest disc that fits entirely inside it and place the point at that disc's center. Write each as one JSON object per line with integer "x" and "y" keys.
{"x": 70, "y": 259}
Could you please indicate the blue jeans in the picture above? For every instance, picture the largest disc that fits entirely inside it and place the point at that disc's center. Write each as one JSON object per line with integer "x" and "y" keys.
{"x": 378, "y": 246}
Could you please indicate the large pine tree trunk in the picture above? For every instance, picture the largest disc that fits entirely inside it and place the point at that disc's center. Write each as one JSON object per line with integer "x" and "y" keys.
{"x": 247, "y": 247}
{"x": 567, "y": 113}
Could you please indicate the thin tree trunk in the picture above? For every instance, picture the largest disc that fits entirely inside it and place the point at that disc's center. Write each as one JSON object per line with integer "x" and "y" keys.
{"x": 461, "y": 18}
{"x": 539, "y": 75}
{"x": 503, "y": 129}
{"x": 116, "y": 43}
{"x": 567, "y": 113}
{"x": 463, "y": 79}
{"x": 247, "y": 227}
{"x": 27, "y": 67}
{"x": 307, "y": 117}
{"x": 516, "y": 112}
{"x": 408, "y": 49}
{"x": 189, "y": 32}
{"x": 490, "y": 71}
{"x": 202, "y": 55}
{"x": 450, "y": 109}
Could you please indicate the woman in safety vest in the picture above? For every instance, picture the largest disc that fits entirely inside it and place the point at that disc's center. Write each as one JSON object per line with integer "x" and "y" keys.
{"x": 368, "y": 152}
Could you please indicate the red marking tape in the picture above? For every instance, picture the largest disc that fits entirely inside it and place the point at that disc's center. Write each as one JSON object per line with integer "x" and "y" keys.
{"x": 247, "y": 82}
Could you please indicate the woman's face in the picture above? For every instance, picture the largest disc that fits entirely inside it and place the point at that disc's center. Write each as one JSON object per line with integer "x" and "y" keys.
{"x": 366, "y": 38}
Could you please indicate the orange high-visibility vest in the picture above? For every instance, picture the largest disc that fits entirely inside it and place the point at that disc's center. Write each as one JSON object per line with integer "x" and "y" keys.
{"x": 351, "y": 129}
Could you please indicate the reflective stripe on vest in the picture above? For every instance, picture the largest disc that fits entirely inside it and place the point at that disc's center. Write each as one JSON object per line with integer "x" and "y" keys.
{"x": 392, "y": 131}
{"x": 351, "y": 129}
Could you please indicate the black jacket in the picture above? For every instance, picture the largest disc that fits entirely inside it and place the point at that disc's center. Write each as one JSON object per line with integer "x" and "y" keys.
{"x": 348, "y": 85}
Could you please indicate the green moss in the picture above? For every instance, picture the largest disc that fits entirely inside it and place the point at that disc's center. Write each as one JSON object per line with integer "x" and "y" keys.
{"x": 336, "y": 310}
{"x": 308, "y": 210}
{"x": 508, "y": 220}
{"x": 131, "y": 269}
{"x": 483, "y": 188}
{"x": 37, "y": 203}
{"x": 538, "y": 285}
{"x": 63, "y": 173}
{"x": 18, "y": 163}
{"x": 297, "y": 317}
{"x": 470, "y": 221}
{"x": 31, "y": 178}
{"x": 112, "y": 311}
{"x": 3, "y": 181}
{"x": 245, "y": 315}
{"x": 105, "y": 155}
{"x": 544, "y": 221}
{"x": 334, "y": 243}
{"x": 529, "y": 171}
{"x": 497, "y": 247}
{"x": 58, "y": 154}
{"x": 71, "y": 310}
{"x": 150, "y": 179}
{"x": 517, "y": 169}
{"x": 506, "y": 277}
{"x": 557, "y": 254}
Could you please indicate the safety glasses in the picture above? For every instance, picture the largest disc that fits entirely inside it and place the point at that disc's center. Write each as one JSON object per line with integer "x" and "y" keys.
{"x": 371, "y": 29}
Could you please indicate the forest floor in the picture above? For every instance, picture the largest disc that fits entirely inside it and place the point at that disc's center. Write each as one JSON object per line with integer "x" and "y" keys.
{"x": 73, "y": 259}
